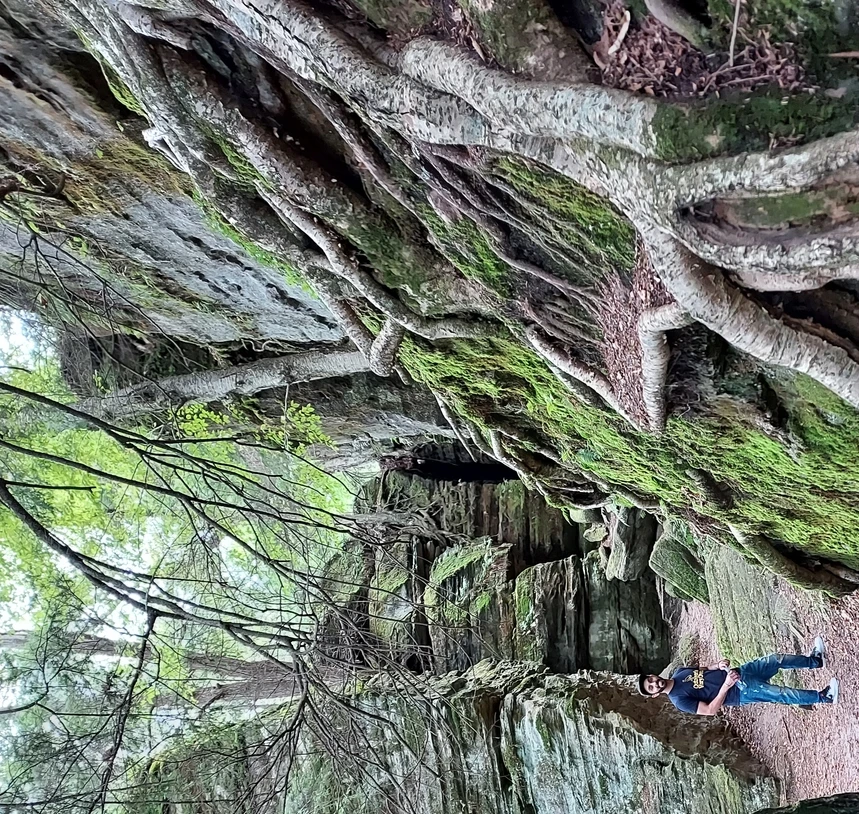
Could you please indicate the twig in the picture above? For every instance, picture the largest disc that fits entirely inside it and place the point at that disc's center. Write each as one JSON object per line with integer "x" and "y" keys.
{"x": 624, "y": 28}
{"x": 736, "y": 25}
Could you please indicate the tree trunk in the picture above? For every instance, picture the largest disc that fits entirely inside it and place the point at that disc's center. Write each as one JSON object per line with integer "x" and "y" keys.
{"x": 521, "y": 243}
{"x": 210, "y": 386}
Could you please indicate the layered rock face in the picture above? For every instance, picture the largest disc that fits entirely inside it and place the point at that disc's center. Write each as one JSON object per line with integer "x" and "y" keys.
{"x": 505, "y": 738}
{"x": 126, "y": 228}
{"x": 523, "y": 583}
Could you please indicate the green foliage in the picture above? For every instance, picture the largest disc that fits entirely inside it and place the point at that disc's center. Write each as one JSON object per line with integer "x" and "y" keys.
{"x": 198, "y": 420}
{"x": 306, "y": 425}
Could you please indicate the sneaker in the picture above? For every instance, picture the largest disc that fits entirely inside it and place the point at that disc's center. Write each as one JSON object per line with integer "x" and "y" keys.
{"x": 818, "y": 651}
{"x": 830, "y": 694}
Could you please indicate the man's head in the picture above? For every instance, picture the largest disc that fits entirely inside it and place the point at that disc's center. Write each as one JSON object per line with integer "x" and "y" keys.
{"x": 651, "y": 685}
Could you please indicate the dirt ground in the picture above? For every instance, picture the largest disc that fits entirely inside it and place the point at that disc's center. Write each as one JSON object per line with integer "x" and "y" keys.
{"x": 814, "y": 752}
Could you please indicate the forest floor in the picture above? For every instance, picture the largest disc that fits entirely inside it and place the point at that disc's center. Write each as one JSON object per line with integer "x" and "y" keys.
{"x": 814, "y": 752}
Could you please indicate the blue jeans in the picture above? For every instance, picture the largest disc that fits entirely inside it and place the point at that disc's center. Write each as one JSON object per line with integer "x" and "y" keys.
{"x": 755, "y": 675}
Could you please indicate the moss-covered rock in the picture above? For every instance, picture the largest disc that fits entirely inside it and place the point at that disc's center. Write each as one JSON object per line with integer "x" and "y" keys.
{"x": 551, "y": 615}
{"x": 509, "y": 738}
{"x": 467, "y": 602}
{"x": 751, "y": 616}
{"x": 626, "y": 631}
{"x": 633, "y": 533}
{"x": 674, "y": 559}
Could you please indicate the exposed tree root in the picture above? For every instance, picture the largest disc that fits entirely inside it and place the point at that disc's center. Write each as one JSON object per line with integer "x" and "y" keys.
{"x": 655, "y": 355}
{"x": 384, "y": 350}
{"x": 347, "y": 268}
{"x": 454, "y": 424}
{"x": 706, "y": 295}
{"x": 556, "y": 323}
{"x": 751, "y": 174}
{"x": 789, "y": 261}
{"x": 673, "y": 16}
{"x": 219, "y": 385}
{"x": 582, "y": 373}
{"x": 777, "y": 563}
{"x": 425, "y": 125}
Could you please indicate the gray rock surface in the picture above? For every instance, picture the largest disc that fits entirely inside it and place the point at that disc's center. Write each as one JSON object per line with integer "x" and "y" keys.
{"x": 483, "y": 601}
{"x": 140, "y": 241}
{"x": 626, "y": 631}
{"x": 509, "y": 738}
{"x": 632, "y": 535}
{"x": 674, "y": 560}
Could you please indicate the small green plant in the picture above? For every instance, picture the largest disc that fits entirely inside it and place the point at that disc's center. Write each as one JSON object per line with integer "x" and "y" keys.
{"x": 197, "y": 420}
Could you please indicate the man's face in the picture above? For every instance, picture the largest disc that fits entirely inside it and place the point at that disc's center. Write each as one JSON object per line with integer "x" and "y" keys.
{"x": 654, "y": 684}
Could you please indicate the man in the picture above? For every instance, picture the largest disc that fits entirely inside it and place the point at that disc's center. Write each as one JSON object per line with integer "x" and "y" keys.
{"x": 705, "y": 692}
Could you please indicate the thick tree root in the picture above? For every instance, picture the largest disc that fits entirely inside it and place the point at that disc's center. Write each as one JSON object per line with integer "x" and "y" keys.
{"x": 454, "y": 424}
{"x": 673, "y": 16}
{"x": 706, "y": 295}
{"x": 655, "y": 355}
{"x": 386, "y": 346}
{"x": 792, "y": 261}
{"x": 777, "y": 563}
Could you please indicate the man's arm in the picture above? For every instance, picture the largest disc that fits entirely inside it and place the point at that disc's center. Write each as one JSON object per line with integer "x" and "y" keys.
{"x": 716, "y": 704}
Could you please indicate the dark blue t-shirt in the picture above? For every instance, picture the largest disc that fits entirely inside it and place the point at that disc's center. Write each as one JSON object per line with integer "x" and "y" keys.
{"x": 692, "y": 685}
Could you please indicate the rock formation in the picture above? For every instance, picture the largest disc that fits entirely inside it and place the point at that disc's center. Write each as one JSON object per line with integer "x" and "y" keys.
{"x": 512, "y": 738}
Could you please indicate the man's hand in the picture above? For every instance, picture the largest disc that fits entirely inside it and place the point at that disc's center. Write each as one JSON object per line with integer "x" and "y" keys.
{"x": 731, "y": 678}
{"x": 715, "y": 705}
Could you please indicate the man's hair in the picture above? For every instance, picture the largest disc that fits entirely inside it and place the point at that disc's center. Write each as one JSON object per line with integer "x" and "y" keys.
{"x": 641, "y": 679}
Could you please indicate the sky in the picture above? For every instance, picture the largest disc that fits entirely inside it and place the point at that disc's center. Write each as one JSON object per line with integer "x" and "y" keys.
{"x": 16, "y": 347}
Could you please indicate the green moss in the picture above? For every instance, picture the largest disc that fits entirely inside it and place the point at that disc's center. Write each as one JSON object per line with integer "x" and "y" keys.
{"x": 812, "y": 25}
{"x": 117, "y": 86}
{"x": 266, "y": 258}
{"x": 442, "y": 606}
{"x": 751, "y": 619}
{"x": 455, "y": 560}
{"x": 543, "y": 730}
{"x": 248, "y": 177}
{"x": 467, "y": 247}
{"x": 480, "y": 603}
{"x": 524, "y": 597}
{"x": 588, "y": 224}
{"x": 809, "y": 501}
{"x": 389, "y": 580}
{"x": 772, "y": 211}
{"x": 673, "y": 559}
{"x": 687, "y": 132}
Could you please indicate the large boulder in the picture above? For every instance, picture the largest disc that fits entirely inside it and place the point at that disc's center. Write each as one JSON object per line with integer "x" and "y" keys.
{"x": 551, "y": 618}
{"x": 632, "y": 535}
{"x": 468, "y": 605}
{"x": 674, "y": 559}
